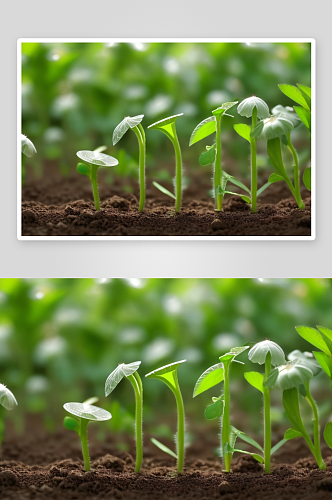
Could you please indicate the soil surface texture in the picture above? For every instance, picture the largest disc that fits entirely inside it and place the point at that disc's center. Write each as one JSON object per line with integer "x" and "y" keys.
{"x": 57, "y": 206}
{"x": 50, "y": 467}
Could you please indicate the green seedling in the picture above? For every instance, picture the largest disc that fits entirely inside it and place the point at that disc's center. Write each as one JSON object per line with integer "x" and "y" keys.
{"x": 301, "y": 94}
{"x": 130, "y": 372}
{"x": 28, "y": 149}
{"x": 168, "y": 374}
{"x": 213, "y": 153}
{"x": 92, "y": 161}
{"x": 167, "y": 125}
{"x": 8, "y": 401}
{"x": 275, "y": 129}
{"x": 134, "y": 123}
{"x": 220, "y": 407}
{"x": 293, "y": 379}
{"x": 83, "y": 413}
{"x": 270, "y": 354}
{"x": 253, "y": 107}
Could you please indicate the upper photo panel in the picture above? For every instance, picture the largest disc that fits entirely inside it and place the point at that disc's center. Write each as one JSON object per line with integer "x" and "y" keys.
{"x": 166, "y": 139}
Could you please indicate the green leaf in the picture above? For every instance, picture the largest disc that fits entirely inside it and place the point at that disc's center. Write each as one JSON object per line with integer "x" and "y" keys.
{"x": 271, "y": 380}
{"x": 274, "y": 152}
{"x": 238, "y": 183}
{"x": 100, "y": 149}
{"x": 215, "y": 410}
{"x": 255, "y": 379}
{"x": 290, "y": 399}
{"x": 71, "y": 424}
{"x": 244, "y": 197}
{"x": 164, "y": 190}
{"x": 83, "y": 169}
{"x": 262, "y": 189}
{"x": 258, "y": 458}
{"x": 327, "y": 333}
{"x": 257, "y": 130}
{"x": 275, "y": 178}
{"x": 164, "y": 448}
{"x": 278, "y": 445}
{"x": 243, "y": 130}
{"x": 292, "y": 434}
{"x": 211, "y": 377}
{"x": 203, "y": 129}
{"x": 294, "y": 93}
{"x": 304, "y": 89}
{"x": 208, "y": 157}
{"x": 229, "y": 447}
{"x": 314, "y": 337}
{"x": 307, "y": 178}
{"x": 325, "y": 362}
{"x": 328, "y": 434}
{"x": 249, "y": 440}
{"x": 304, "y": 116}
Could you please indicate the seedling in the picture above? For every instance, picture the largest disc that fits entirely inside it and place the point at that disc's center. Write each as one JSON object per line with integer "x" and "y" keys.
{"x": 213, "y": 153}
{"x": 130, "y": 372}
{"x": 92, "y": 161}
{"x": 168, "y": 374}
{"x": 167, "y": 125}
{"x": 28, "y": 149}
{"x": 270, "y": 354}
{"x": 134, "y": 122}
{"x": 8, "y": 401}
{"x": 221, "y": 406}
{"x": 83, "y": 414}
{"x": 253, "y": 107}
{"x": 293, "y": 378}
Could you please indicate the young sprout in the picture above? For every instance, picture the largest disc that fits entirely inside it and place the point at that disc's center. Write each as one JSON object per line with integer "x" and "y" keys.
{"x": 83, "y": 413}
{"x": 167, "y": 125}
{"x": 293, "y": 378}
{"x": 253, "y": 107}
{"x": 168, "y": 375}
{"x": 221, "y": 405}
{"x": 92, "y": 161}
{"x": 213, "y": 153}
{"x": 8, "y": 401}
{"x": 270, "y": 354}
{"x": 130, "y": 372}
{"x": 134, "y": 122}
{"x": 28, "y": 149}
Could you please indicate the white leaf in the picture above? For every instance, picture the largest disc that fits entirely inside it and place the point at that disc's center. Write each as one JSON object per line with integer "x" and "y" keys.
{"x": 123, "y": 370}
{"x": 127, "y": 123}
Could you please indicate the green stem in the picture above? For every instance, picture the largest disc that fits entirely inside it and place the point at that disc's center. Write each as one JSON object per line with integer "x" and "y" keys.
{"x": 217, "y": 166}
{"x": 253, "y": 151}
{"x": 140, "y": 134}
{"x": 94, "y": 169}
{"x": 297, "y": 186}
{"x": 226, "y": 425}
{"x": 84, "y": 440}
{"x": 181, "y": 421}
{"x": 315, "y": 423}
{"x": 267, "y": 418}
{"x": 136, "y": 382}
{"x": 178, "y": 169}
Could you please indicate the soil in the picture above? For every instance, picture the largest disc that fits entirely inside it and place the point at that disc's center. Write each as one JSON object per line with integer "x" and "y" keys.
{"x": 43, "y": 466}
{"x": 58, "y": 206}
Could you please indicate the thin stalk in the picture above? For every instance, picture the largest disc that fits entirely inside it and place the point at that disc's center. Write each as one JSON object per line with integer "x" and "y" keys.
{"x": 181, "y": 422}
{"x": 217, "y": 165}
{"x": 315, "y": 423}
{"x": 267, "y": 418}
{"x": 84, "y": 441}
{"x": 94, "y": 170}
{"x": 178, "y": 169}
{"x": 138, "y": 389}
{"x": 226, "y": 425}
{"x": 253, "y": 151}
{"x": 140, "y": 134}
{"x": 297, "y": 186}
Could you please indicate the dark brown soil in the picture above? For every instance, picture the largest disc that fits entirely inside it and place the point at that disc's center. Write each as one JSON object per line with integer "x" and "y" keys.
{"x": 46, "y": 467}
{"x": 55, "y": 206}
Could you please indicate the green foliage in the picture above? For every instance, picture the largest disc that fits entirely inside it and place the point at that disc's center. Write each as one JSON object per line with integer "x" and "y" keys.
{"x": 164, "y": 448}
{"x": 307, "y": 178}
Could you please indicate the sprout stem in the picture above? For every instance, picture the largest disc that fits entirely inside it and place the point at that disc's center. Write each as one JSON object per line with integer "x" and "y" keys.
{"x": 181, "y": 421}
{"x": 136, "y": 382}
{"x": 94, "y": 169}
{"x": 217, "y": 166}
{"x": 226, "y": 425}
{"x": 315, "y": 423}
{"x": 140, "y": 134}
{"x": 178, "y": 168}
{"x": 297, "y": 193}
{"x": 84, "y": 440}
{"x": 267, "y": 418}
{"x": 253, "y": 150}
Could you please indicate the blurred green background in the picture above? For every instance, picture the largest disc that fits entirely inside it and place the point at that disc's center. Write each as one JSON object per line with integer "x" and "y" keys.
{"x": 60, "y": 339}
{"x": 74, "y": 95}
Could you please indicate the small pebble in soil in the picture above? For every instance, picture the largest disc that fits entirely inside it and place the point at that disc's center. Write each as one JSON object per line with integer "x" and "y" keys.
{"x": 216, "y": 224}
{"x": 8, "y": 478}
{"x": 28, "y": 216}
{"x": 223, "y": 488}
{"x": 325, "y": 484}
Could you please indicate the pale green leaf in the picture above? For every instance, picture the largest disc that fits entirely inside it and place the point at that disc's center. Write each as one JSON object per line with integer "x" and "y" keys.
{"x": 211, "y": 377}
{"x": 203, "y": 129}
{"x": 290, "y": 399}
{"x": 292, "y": 434}
{"x": 243, "y": 130}
{"x": 208, "y": 157}
{"x": 304, "y": 116}
{"x": 325, "y": 362}
{"x": 274, "y": 152}
{"x": 304, "y": 89}
{"x": 278, "y": 445}
{"x": 215, "y": 410}
{"x": 164, "y": 448}
{"x": 294, "y": 93}
{"x": 314, "y": 337}
{"x": 255, "y": 379}
{"x": 307, "y": 178}
{"x": 164, "y": 190}
{"x": 328, "y": 434}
